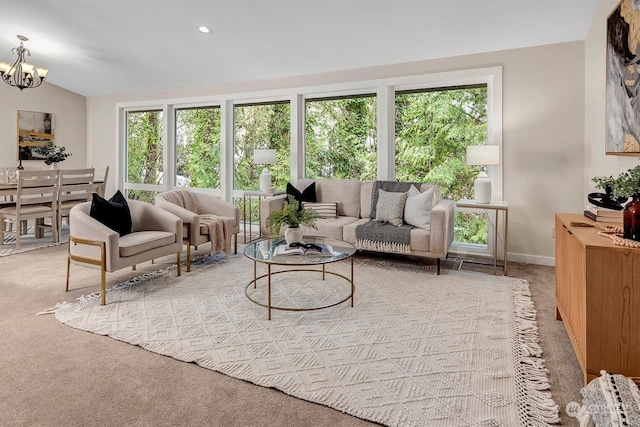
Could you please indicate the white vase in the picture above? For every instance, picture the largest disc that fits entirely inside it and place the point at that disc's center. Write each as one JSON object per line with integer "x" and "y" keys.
{"x": 54, "y": 166}
{"x": 293, "y": 234}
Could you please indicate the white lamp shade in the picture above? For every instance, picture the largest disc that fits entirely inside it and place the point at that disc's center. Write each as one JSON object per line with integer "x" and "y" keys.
{"x": 264, "y": 157}
{"x": 483, "y": 155}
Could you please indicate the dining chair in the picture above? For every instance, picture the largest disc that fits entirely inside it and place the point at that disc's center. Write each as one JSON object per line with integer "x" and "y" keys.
{"x": 36, "y": 199}
{"x": 75, "y": 187}
{"x": 100, "y": 177}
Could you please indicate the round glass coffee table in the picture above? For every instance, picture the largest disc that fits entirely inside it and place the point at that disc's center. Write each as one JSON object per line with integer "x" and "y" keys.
{"x": 262, "y": 251}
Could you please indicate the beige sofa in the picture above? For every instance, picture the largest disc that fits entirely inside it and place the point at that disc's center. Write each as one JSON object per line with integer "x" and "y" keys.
{"x": 354, "y": 206}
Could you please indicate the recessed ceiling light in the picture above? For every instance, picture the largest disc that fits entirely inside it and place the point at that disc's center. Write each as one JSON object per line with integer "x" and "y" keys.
{"x": 205, "y": 30}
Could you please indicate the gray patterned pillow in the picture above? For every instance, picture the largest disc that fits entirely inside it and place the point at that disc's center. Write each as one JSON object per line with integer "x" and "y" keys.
{"x": 390, "y": 207}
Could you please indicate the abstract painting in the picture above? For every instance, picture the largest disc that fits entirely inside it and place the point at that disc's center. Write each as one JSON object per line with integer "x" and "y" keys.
{"x": 34, "y": 130}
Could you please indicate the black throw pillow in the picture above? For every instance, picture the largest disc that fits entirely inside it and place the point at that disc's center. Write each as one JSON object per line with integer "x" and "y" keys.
{"x": 306, "y": 195}
{"x": 114, "y": 213}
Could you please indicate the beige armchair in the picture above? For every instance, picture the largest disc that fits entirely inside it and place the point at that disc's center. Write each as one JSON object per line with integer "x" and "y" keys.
{"x": 154, "y": 233}
{"x": 197, "y": 233}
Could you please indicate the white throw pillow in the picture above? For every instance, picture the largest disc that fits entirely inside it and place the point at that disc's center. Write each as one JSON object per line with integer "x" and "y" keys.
{"x": 390, "y": 207}
{"x": 417, "y": 209}
{"x": 324, "y": 209}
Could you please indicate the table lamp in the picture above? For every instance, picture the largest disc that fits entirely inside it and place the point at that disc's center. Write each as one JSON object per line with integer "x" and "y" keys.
{"x": 264, "y": 157}
{"x": 483, "y": 156}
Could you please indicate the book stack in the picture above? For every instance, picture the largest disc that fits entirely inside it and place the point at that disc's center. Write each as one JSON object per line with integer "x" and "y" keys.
{"x": 599, "y": 214}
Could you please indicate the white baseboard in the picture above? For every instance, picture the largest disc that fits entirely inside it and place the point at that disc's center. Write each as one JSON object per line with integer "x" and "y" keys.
{"x": 519, "y": 258}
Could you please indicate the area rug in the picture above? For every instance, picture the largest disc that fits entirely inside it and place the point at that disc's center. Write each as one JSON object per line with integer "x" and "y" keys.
{"x": 416, "y": 349}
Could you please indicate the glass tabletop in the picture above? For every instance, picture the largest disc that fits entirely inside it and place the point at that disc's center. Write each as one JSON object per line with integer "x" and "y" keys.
{"x": 264, "y": 251}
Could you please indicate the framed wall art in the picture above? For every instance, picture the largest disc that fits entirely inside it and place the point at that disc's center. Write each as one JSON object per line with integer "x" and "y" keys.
{"x": 35, "y": 129}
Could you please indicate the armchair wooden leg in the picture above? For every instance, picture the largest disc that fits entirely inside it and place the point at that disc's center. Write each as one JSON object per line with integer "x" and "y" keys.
{"x": 133, "y": 267}
{"x": 68, "y": 267}
{"x": 188, "y": 257}
{"x": 103, "y": 285}
{"x": 179, "y": 262}
{"x": 235, "y": 243}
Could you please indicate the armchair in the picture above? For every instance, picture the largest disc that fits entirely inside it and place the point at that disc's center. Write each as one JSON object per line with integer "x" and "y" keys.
{"x": 197, "y": 232}
{"x": 154, "y": 233}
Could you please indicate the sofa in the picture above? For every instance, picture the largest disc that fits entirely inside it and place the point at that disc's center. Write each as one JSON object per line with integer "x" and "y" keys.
{"x": 354, "y": 205}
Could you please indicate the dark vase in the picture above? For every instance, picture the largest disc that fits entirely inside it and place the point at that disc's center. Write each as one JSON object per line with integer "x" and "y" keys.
{"x": 631, "y": 219}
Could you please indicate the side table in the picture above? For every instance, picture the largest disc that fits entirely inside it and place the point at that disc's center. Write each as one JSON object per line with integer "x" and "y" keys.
{"x": 497, "y": 206}
{"x": 248, "y": 196}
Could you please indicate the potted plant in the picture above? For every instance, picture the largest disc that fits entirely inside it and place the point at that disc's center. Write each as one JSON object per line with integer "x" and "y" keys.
{"x": 292, "y": 216}
{"x": 52, "y": 154}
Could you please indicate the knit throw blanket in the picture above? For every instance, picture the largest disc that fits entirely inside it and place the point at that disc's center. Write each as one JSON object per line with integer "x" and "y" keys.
{"x": 384, "y": 237}
{"x": 220, "y": 229}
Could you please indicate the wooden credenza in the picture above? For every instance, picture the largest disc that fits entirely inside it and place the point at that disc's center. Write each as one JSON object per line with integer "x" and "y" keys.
{"x": 598, "y": 298}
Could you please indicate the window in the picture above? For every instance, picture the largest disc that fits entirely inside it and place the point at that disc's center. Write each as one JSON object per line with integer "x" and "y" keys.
{"x": 258, "y": 126}
{"x": 341, "y": 137}
{"x": 261, "y": 126}
{"x": 144, "y": 151}
{"x": 433, "y": 129}
{"x": 198, "y": 147}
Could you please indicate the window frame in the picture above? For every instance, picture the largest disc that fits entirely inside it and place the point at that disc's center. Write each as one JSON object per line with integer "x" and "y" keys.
{"x": 383, "y": 87}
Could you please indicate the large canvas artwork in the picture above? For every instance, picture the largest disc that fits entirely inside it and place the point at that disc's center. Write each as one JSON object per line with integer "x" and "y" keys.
{"x": 623, "y": 79}
{"x": 34, "y": 130}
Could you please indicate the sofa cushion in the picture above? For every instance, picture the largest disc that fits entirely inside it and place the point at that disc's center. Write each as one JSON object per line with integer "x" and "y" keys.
{"x": 331, "y": 227}
{"x": 417, "y": 208}
{"x": 346, "y": 192}
{"x": 324, "y": 209}
{"x": 142, "y": 241}
{"x": 420, "y": 239}
{"x": 390, "y": 207}
{"x": 114, "y": 213}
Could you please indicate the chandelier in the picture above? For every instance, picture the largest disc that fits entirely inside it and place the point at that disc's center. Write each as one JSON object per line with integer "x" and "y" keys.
{"x": 22, "y": 74}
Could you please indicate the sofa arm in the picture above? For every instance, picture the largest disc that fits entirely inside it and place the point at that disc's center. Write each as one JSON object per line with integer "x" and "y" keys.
{"x": 268, "y": 205}
{"x": 216, "y": 206}
{"x": 442, "y": 227}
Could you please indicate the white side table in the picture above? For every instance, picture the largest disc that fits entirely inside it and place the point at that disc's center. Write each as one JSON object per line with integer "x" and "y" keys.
{"x": 247, "y": 196}
{"x": 497, "y": 206}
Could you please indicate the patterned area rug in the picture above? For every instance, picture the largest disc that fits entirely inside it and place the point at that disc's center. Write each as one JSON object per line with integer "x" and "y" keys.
{"x": 416, "y": 349}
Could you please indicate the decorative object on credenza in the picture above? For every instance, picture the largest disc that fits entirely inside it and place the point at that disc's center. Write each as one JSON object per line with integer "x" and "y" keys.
{"x": 631, "y": 218}
{"x": 623, "y": 78}
{"x": 52, "y": 154}
{"x": 22, "y": 74}
{"x": 483, "y": 156}
{"x": 617, "y": 190}
{"x": 265, "y": 157}
{"x": 35, "y": 129}
{"x": 293, "y": 217}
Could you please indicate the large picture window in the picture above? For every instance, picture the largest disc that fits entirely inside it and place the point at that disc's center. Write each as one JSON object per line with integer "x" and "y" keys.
{"x": 341, "y": 137}
{"x": 197, "y": 147}
{"x": 433, "y": 129}
{"x": 258, "y": 126}
{"x": 144, "y": 152}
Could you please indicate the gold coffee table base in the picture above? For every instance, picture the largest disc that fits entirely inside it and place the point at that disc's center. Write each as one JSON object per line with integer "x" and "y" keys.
{"x": 269, "y": 306}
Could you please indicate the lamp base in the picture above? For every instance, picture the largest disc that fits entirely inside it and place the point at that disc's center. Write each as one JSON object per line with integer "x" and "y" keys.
{"x": 265, "y": 180}
{"x": 482, "y": 188}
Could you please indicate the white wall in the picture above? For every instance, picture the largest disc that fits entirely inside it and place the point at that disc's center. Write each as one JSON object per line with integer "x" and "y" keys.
{"x": 69, "y": 110}
{"x": 597, "y": 163}
{"x": 543, "y": 130}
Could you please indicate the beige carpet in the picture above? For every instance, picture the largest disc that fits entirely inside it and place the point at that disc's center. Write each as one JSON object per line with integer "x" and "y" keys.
{"x": 29, "y": 242}
{"x": 417, "y": 349}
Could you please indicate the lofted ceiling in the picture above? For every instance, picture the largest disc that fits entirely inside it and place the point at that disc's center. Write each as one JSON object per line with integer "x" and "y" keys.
{"x": 102, "y": 47}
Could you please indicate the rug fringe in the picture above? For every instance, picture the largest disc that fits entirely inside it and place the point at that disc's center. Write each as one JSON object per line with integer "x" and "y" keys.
{"x": 534, "y": 402}
{"x": 372, "y": 245}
